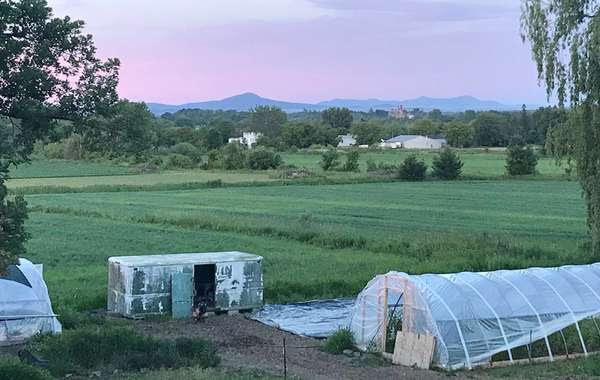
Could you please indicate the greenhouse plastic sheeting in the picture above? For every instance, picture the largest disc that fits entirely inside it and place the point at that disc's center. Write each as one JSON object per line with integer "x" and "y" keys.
{"x": 25, "y": 308}
{"x": 476, "y": 315}
{"x": 317, "y": 319}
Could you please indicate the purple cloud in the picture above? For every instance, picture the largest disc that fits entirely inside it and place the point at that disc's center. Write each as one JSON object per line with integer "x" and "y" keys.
{"x": 311, "y": 51}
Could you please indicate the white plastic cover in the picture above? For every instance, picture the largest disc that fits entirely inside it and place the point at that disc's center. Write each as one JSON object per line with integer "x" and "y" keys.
{"x": 476, "y": 315}
{"x": 25, "y": 308}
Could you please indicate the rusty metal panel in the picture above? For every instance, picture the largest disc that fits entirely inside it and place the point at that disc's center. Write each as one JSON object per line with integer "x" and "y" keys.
{"x": 239, "y": 285}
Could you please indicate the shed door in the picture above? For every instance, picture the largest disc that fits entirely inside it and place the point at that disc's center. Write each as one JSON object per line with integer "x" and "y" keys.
{"x": 182, "y": 294}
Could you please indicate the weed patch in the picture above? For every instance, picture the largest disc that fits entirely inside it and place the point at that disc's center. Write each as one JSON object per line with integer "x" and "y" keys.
{"x": 92, "y": 348}
{"x": 341, "y": 340}
{"x": 13, "y": 369}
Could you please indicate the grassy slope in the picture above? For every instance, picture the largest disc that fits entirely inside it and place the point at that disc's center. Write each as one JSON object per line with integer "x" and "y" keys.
{"x": 413, "y": 227}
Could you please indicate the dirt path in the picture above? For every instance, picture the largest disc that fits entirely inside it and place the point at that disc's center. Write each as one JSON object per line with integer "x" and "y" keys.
{"x": 247, "y": 344}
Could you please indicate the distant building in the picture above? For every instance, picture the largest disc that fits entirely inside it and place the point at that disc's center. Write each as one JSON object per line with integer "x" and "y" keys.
{"x": 248, "y": 138}
{"x": 413, "y": 142}
{"x": 400, "y": 113}
{"x": 346, "y": 141}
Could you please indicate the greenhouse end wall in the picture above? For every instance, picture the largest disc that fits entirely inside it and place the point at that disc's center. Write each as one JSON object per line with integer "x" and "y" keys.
{"x": 474, "y": 316}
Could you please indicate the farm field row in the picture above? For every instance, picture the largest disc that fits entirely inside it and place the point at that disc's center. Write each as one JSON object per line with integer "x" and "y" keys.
{"x": 78, "y": 174}
{"x": 477, "y": 162}
{"x": 163, "y": 178}
{"x": 66, "y": 168}
{"x": 318, "y": 241}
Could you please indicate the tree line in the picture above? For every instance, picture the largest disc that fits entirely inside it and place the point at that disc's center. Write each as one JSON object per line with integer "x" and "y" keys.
{"x": 131, "y": 132}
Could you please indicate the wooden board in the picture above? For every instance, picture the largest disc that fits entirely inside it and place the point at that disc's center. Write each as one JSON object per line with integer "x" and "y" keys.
{"x": 413, "y": 350}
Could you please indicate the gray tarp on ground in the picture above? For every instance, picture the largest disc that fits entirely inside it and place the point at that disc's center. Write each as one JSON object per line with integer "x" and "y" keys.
{"x": 317, "y": 319}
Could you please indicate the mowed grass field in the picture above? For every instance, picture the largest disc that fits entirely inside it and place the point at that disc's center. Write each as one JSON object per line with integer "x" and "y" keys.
{"x": 171, "y": 177}
{"x": 318, "y": 241}
{"x": 65, "y": 168}
{"x": 477, "y": 162}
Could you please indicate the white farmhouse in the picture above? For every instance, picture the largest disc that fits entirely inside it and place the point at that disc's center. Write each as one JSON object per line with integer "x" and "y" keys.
{"x": 346, "y": 141}
{"x": 413, "y": 142}
{"x": 248, "y": 138}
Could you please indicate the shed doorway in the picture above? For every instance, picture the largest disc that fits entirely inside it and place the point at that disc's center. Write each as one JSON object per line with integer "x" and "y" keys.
{"x": 204, "y": 285}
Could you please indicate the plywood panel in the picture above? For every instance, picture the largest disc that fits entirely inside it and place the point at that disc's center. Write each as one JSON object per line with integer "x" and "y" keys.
{"x": 413, "y": 350}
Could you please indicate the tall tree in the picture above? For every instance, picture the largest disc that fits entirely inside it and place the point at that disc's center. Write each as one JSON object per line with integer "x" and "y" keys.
{"x": 267, "y": 120}
{"x": 128, "y": 130}
{"x": 565, "y": 41}
{"x": 489, "y": 129}
{"x": 338, "y": 118}
{"x": 48, "y": 72}
{"x": 459, "y": 135}
{"x": 367, "y": 133}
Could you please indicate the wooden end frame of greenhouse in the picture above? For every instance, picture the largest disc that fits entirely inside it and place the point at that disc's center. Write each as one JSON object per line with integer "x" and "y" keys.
{"x": 407, "y": 292}
{"x": 406, "y": 289}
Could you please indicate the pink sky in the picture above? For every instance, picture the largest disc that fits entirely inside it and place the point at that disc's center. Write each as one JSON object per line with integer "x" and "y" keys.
{"x": 311, "y": 50}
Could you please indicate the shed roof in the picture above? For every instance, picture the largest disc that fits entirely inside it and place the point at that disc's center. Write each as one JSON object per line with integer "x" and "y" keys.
{"x": 404, "y": 138}
{"x": 184, "y": 259}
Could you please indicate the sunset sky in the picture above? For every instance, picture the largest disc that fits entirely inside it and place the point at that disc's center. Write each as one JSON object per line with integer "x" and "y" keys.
{"x": 311, "y": 50}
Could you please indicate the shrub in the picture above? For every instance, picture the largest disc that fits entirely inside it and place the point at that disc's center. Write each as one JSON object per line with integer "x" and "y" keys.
{"x": 447, "y": 165}
{"x": 201, "y": 352}
{"x": 38, "y": 151}
{"x": 54, "y": 150}
{"x": 73, "y": 148}
{"x": 91, "y": 347}
{"x": 179, "y": 161}
{"x": 214, "y": 160}
{"x": 156, "y": 161}
{"x": 412, "y": 169}
{"x": 234, "y": 157}
{"x": 371, "y": 166}
{"x": 381, "y": 167}
{"x": 329, "y": 159}
{"x": 71, "y": 319}
{"x": 341, "y": 340}
{"x": 261, "y": 159}
{"x": 351, "y": 164}
{"x": 520, "y": 160}
{"x": 6, "y": 259}
{"x": 13, "y": 369}
{"x": 188, "y": 150}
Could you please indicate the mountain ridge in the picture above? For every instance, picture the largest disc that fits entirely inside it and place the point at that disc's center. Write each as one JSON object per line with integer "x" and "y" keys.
{"x": 249, "y": 100}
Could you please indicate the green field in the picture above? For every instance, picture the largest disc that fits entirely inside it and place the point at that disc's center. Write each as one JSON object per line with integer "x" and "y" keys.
{"x": 477, "y": 162}
{"x": 64, "y": 168}
{"x": 318, "y": 241}
{"x": 154, "y": 179}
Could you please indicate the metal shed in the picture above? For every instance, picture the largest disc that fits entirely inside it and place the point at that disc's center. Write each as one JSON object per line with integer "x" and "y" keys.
{"x": 175, "y": 284}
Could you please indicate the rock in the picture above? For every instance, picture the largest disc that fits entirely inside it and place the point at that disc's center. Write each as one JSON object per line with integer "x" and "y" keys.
{"x": 356, "y": 354}
{"x": 95, "y": 374}
{"x": 347, "y": 352}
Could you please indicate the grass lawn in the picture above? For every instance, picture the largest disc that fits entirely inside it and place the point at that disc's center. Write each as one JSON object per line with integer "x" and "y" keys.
{"x": 477, "y": 162}
{"x": 318, "y": 241}
{"x": 65, "y": 168}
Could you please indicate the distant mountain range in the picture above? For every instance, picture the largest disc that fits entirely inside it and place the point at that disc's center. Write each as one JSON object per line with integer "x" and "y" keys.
{"x": 247, "y": 101}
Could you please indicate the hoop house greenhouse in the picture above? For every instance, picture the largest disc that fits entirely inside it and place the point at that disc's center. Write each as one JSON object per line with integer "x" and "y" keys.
{"x": 25, "y": 308}
{"x": 474, "y": 316}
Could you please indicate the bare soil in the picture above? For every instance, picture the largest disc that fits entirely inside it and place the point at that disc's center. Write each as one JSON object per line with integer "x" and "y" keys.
{"x": 250, "y": 345}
